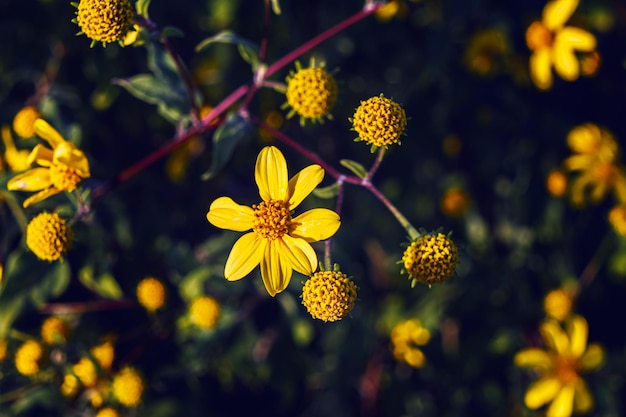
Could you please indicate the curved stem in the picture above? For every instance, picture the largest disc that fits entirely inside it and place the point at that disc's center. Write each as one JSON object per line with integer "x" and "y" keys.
{"x": 412, "y": 231}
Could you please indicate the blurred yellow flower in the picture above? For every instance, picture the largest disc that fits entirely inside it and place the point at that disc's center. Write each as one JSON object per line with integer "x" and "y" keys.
{"x": 16, "y": 159}
{"x": 151, "y": 293}
{"x": 128, "y": 387}
{"x": 406, "y": 338}
{"x": 556, "y": 183}
{"x": 108, "y": 412}
{"x": 104, "y": 354}
{"x": 558, "y": 304}
{"x": 278, "y": 242}
{"x": 559, "y": 367}
{"x": 29, "y": 357}
{"x": 204, "y": 312}
{"x": 554, "y": 44}
{"x": 617, "y": 218}
{"x": 61, "y": 168}
{"x": 54, "y": 331}
{"x": 24, "y": 120}
{"x": 486, "y": 51}
{"x": 455, "y": 202}
{"x": 86, "y": 372}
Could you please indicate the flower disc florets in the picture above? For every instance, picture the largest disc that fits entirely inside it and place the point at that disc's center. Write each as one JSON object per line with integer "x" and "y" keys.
{"x": 329, "y": 295}
{"x": 271, "y": 219}
{"x": 104, "y": 20}
{"x": 128, "y": 387}
{"x": 151, "y": 293}
{"x": 431, "y": 259}
{"x": 379, "y": 121}
{"x": 311, "y": 93}
{"x": 48, "y": 236}
{"x": 24, "y": 120}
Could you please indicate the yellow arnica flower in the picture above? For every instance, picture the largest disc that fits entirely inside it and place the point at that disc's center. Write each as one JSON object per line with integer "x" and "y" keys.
{"x": 278, "y": 242}
{"x": 61, "y": 168}
{"x": 16, "y": 159}
{"x": 559, "y": 366}
{"x": 3, "y": 349}
{"x": 55, "y": 331}
{"x": 617, "y": 218}
{"x": 24, "y": 120}
{"x": 558, "y": 304}
{"x": 70, "y": 386}
{"x": 311, "y": 93}
{"x": 86, "y": 372}
{"x": 431, "y": 259}
{"x": 104, "y": 20}
{"x": 596, "y": 158}
{"x": 406, "y": 338}
{"x": 104, "y": 354}
{"x": 455, "y": 202}
{"x": 128, "y": 387}
{"x": 204, "y": 312}
{"x": 28, "y": 358}
{"x": 108, "y": 412}
{"x": 48, "y": 236}
{"x": 379, "y": 122}
{"x": 556, "y": 183}
{"x": 554, "y": 44}
{"x": 151, "y": 293}
{"x": 329, "y": 295}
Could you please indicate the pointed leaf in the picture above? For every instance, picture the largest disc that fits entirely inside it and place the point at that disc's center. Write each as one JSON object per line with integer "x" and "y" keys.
{"x": 355, "y": 167}
{"x": 232, "y": 132}
{"x": 142, "y": 7}
{"x": 248, "y": 50}
{"x": 327, "y": 192}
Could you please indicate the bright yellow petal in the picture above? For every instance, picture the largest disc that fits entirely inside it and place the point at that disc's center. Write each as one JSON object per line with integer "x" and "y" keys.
{"x": 555, "y": 337}
{"x": 557, "y": 12}
{"x": 316, "y": 224}
{"x": 578, "y": 330}
{"x": 48, "y": 133}
{"x": 563, "y": 403}
{"x": 578, "y": 162}
{"x": 226, "y": 214}
{"x": 303, "y": 183}
{"x": 577, "y": 38}
{"x": 270, "y": 174}
{"x": 300, "y": 254}
{"x": 565, "y": 62}
{"x": 541, "y": 392}
{"x": 541, "y": 68}
{"x": 67, "y": 154}
{"x": 40, "y": 196}
{"x": 34, "y": 179}
{"x": 533, "y": 358}
{"x": 592, "y": 358}
{"x": 585, "y": 139}
{"x": 41, "y": 155}
{"x": 245, "y": 255}
{"x": 583, "y": 400}
{"x": 276, "y": 272}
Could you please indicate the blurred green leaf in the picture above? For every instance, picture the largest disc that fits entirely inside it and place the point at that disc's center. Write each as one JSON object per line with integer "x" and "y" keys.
{"x": 103, "y": 284}
{"x": 192, "y": 285}
{"x": 355, "y": 167}
{"x": 248, "y": 50}
{"x": 327, "y": 192}
{"x": 232, "y": 132}
{"x": 171, "y": 32}
{"x": 142, "y": 7}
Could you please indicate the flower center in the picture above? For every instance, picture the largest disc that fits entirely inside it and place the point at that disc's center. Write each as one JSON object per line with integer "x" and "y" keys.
{"x": 271, "y": 219}
{"x": 63, "y": 177}
{"x": 566, "y": 369}
{"x": 538, "y": 36}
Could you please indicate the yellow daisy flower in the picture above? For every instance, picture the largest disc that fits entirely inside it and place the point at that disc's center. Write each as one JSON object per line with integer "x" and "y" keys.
{"x": 559, "y": 366}
{"x": 278, "y": 242}
{"x": 61, "y": 168}
{"x": 554, "y": 44}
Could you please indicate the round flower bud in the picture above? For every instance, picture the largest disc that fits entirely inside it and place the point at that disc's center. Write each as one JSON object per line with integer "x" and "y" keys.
{"x": 204, "y": 312}
{"x": 70, "y": 386}
{"x": 311, "y": 93}
{"x": 558, "y": 304}
{"x": 24, "y": 120}
{"x": 104, "y": 354}
{"x": 104, "y": 20}
{"x": 86, "y": 372}
{"x": 151, "y": 293}
{"x": 379, "y": 121}
{"x": 556, "y": 183}
{"x": 455, "y": 202}
{"x": 29, "y": 357}
{"x": 55, "y": 331}
{"x": 108, "y": 412}
{"x": 48, "y": 236}
{"x": 128, "y": 387}
{"x": 431, "y": 259}
{"x": 329, "y": 295}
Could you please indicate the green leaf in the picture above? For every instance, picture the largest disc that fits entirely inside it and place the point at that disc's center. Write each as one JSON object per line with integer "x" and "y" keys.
{"x": 142, "y": 7}
{"x": 355, "y": 167}
{"x": 9, "y": 310}
{"x": 248, "y": 50}
{"x": 232, "y": 132}
{"x": 171, "y": 32}
{"x": 327, "y": 192}
{"x": 192, "y": 285}
{"x": 104, "y": 284}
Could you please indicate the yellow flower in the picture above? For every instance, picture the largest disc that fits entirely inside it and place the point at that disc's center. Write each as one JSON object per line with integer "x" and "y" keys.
{"x": 558, "y": 304}
{"x": 16, "y": 159}
{"x": 151, "y": 293}
{"x": 406, "y": 338}
{"x": 104, "y": 354}
{"x": 559, "y": 366}
{"x": 596, "y": 157}
{"x": 29, "y": 357}
{"x": 108, "y": 412}
{"x": 455, "y": 202}
{"x": 48, "y": 236}
{"x": 70, "y": 385}
{"x": 485, "y": 51}
{"x": 392, "y": 9}
{"x": 431, "y": 259}
{"x": 104, "y": 20}
{"x": 61, "y": 168}
{"x": 556, "y": 183}
{"x": 204, "y": 312}
{"x": 128, "y": 387}
{"x": 379, "y": 122}
{"x": 329, "y": 295}
{"x": 553, "y": 44}
{"x": 311, "y": 93}
{"x": 617, "y": 218}
{"x": 86, "y": 372}
{"x": 24, "y": 120}
{"x": 3, "y": 349}
{"x": 55, "y": 330}
{"x": 278, "y": 242}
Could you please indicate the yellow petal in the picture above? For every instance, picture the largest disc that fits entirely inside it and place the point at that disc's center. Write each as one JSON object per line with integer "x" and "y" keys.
{"x": 585, "y": 139}
{"x": 303, "y": 183}
{"x": 34, "y": 179}
{"x": 563, "y": 404}
{"x": 557, "y": 12}
{"x": 592, "y": 358}
{"x": 67, "y": 154}
{"x": 565, "y": 62}
{"x": 578, "y": 162}
{"x": 299, "y": 254}
{"x": 541, "y": 392}
{"x": 316, "y": 224}
{"x": 577, "y": 38}
{"x": 270, "y": 174}
{"x": 276, "y": 272}
{"x": 245, "y": 255}
{"x": 555, "y": 337}
{"x": 48, "y": 133}
{"x": 533, "y": 358}
{"x": 40, "y": 196}
{"x": 41, "y": 155}
{"x": 578, "y": 330}
{"x": 583, "y": 401}
{"x": 541, "y": 68}
{"x": 226, "y": 214}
